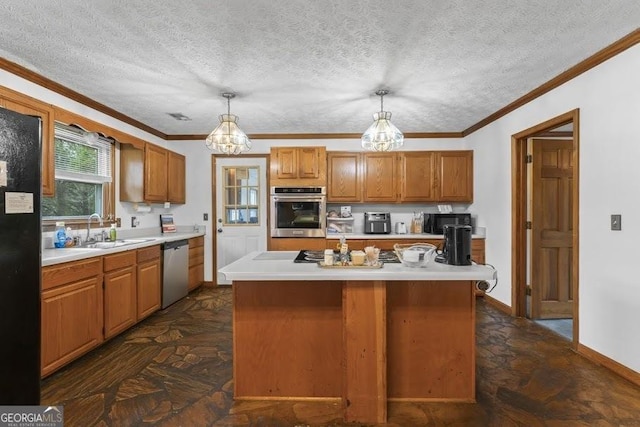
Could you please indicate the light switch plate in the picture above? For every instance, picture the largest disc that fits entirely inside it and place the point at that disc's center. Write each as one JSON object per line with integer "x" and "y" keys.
{"x": 616, "y": 222}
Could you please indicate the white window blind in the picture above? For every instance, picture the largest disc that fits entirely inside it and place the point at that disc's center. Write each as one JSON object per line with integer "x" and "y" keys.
{"x": 82, "y": 156}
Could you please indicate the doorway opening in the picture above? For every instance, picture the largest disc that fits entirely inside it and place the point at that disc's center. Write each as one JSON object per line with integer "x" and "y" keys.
{"x": 545, "y": 192}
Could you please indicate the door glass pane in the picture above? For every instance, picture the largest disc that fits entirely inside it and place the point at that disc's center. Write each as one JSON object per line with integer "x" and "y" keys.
{"x": 242, "y": 200}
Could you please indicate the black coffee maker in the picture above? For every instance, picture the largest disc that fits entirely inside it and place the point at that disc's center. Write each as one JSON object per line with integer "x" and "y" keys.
{"x": 457, "y": 245}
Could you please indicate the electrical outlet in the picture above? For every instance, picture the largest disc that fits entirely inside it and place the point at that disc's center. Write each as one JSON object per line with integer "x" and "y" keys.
{"x": 205, "y": 217}
{"x": 118, "y": 222}
{"x": 616, "y": 222}
{"x": 134, "y": 222}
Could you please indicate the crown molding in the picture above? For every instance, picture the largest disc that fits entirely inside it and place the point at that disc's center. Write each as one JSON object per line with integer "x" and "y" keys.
{"x": 594, "y": 60}
{"x": 608, "y": 52}
{"x": 255, "y": 136}
{"x": 40, "y": 80}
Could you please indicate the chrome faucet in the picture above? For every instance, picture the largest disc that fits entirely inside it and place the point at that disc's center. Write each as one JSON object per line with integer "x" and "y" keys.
{"x": 93, "y": 215}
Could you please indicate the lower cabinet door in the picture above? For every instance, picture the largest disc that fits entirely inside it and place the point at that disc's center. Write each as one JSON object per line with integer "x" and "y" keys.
{"x": 72, "y": 321}
{"x": 149, "y": 292}
{"x": 120, "y": 307}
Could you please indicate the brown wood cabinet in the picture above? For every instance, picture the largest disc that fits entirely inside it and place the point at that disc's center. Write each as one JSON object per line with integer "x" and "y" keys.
{"x": 296, "y": 243}
{"x": 417, "y": 171}
{"x": 298, "y": 166}
{"x": 23, "y": 104}
{"x": 344, "y": 176}
{"x": 155, "y": 173}
{"x": 71, "y": 312}
{"x": 176, "y": 178}
{"x": 149, "y": 281}
{"x": 405, "y": 177}
{"x": 120, "y": 292}
{"x": 152, "y": 174}
{"x": 196, "y": 262}
{"x": 380, "y": 177}
{"x": 454, "y": 176}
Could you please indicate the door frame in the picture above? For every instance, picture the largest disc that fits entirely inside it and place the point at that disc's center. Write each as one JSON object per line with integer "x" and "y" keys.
{"x": 214, "y": 205}
{"x": 519, "y": 197}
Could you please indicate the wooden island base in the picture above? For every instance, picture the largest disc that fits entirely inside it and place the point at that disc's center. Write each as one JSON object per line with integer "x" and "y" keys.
{"x": 359, "y": 342}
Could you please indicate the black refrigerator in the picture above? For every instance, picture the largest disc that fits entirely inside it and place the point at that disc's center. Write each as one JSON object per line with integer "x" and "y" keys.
{"x": 20, "y": 254}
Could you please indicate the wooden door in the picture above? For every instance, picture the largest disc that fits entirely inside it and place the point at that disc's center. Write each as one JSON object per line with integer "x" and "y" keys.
{"x": 120, "y": 308}
{"x": 176, "y": 192}
{"x": 155, "y": 173}
{"x": 380, "y": 177}
{"x": 551, "y": 229}
{"x": 455, "y": 176}
{"x": 344, "y": 181}
{"x": 417, "y": 181}
{"x": 308, "y": 162}
{"x": 241, "y": 209}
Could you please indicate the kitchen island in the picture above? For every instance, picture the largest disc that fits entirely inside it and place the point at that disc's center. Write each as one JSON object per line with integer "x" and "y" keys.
{"x": 359, "y": 336}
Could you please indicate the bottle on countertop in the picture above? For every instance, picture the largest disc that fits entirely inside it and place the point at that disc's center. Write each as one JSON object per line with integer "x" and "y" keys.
{"x": 113, "y": 233}
{"x": 60, "y": 235}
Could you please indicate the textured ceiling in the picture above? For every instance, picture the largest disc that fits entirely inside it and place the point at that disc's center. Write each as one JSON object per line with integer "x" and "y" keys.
{"x": 308, "y": 66}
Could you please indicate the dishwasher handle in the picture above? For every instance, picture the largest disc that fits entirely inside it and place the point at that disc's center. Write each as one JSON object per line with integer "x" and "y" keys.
{"x": 176, "y": 244}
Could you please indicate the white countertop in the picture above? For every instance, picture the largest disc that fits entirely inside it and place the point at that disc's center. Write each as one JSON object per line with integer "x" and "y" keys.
{"x": 60, "y": 255}
{"x": 280, "y": 266}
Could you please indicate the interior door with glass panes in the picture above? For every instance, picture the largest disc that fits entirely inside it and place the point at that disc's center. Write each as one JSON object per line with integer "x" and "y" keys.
{"x": 241, "y": 209}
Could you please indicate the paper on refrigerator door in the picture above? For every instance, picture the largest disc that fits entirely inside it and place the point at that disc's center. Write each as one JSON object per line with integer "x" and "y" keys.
{"x": 3, "y": 173}
{"x": 18, "y": 203}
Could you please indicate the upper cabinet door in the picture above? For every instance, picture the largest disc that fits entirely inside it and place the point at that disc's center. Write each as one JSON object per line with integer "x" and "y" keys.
{"x": 26, "y": 105}
{"x": 344, "y": 180}
{"x": 455, "y": 176}
{"x": 155, "y": 173}
{"x": 176, "y": 192}
{"x": 287, "y": 161}
{"x": 417, "y": 170}
{"x": 380, "y": 177}
{"x": 308, "y": 162}
{"x": 298, "y": 166}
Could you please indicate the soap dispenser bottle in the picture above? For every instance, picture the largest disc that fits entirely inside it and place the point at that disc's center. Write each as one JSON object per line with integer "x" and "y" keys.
{"x": 112, "y": 233}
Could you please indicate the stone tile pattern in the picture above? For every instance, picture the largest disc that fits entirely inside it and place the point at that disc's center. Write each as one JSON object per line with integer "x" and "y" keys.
{"x": 175, "y": 369}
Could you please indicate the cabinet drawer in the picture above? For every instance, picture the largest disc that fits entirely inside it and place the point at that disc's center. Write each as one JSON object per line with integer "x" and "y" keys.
{"x": 147, "y": 254}
{"x": 68, "y": 272}
{"x": 119, "y": 260}
{"x": 196, "y": 242}
{"x": 196, "y": 256}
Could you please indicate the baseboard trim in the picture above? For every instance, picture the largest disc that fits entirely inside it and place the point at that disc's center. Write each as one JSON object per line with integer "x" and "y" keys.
{"x": 600, "y": 359}
{"x": 498, "y": 304}
{"x": 209, "y": 284}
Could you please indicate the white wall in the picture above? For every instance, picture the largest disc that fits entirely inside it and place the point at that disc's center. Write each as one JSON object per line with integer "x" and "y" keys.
{"x": 608, "y": 97}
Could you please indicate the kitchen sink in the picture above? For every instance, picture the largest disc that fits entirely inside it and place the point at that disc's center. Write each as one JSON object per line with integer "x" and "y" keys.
{"x": 114, "y": 244}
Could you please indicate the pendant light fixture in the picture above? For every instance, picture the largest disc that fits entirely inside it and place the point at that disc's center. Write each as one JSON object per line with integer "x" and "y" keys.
{"x": 382, "y": 135}
{"x": 228, "y": 138}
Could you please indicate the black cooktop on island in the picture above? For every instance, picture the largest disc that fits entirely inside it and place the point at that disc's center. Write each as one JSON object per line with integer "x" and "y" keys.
{"x": 313, "y": 256}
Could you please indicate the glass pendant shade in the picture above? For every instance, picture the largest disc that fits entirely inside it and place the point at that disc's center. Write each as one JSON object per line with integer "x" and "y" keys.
{"x": 227, "y": 137}
{"x": 382, "y": 135}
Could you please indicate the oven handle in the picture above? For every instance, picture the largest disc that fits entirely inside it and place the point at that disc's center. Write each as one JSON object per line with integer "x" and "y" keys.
{"x": 298, "y": 198}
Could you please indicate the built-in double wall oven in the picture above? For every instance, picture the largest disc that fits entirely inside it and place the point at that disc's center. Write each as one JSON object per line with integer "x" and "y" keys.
{"x": 298, "y": 211}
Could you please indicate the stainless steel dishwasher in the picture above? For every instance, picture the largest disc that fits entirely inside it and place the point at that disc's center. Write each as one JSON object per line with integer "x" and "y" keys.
{"x": 175, "y": 271}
